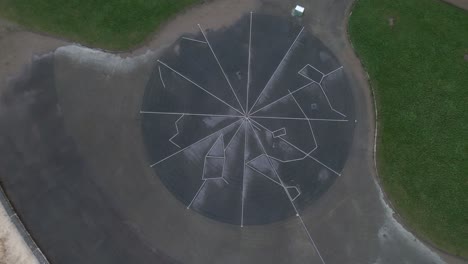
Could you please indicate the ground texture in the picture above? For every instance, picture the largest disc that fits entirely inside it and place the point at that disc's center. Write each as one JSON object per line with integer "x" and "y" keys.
{"x": 115, "y": 24}
{"x": 415, "y": 58}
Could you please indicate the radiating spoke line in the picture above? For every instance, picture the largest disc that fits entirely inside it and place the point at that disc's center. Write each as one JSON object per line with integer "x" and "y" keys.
{"x": 221, "y": 67}
{"x": 279, "y": 66}
{"x": 237, "y": 131}
{"x": 210, "y": 135}
{"x": 263, "y": 174}
{"x": 287, "y": 193}
{"x": 192, "y": 82}
{"x": 248, "y": 67}
{"x": 311, "y": 239}
{"x": 196, "y": 195}
{"x": 335, "y": 70}
{"x": 323, "y": 91}
{"x": 243, "y": 176}
{"x": 187, "y": 114}
{"x": 306, "y": 155}
{"x": 279, "y": 99}
{"x": 299, "y": 118}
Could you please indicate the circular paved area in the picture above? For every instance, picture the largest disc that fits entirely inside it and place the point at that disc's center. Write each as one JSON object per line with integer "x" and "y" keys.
{"x": 76, "y": 150}
{"x": 250, "y": 124}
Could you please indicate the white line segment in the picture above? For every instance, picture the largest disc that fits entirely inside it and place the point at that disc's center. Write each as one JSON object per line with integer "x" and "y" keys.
{"x": 192, "y": 82}
{"x": 221, "y": 67}
{"x": 277, "y": 68}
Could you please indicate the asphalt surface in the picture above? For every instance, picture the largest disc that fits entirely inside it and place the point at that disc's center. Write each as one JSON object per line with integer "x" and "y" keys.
{"x": 77, "y": 152}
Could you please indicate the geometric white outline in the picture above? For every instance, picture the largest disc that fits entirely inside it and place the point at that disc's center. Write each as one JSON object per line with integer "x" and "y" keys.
{"x": 177, "y": 131}
{"x": 320, "y": 84}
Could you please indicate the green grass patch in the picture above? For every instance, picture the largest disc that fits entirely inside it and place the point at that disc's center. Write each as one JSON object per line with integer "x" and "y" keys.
{"x": 109, "y": 24}
{"x": 417, "y": 67}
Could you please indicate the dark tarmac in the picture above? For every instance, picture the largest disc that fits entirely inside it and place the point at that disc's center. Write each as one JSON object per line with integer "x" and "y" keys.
{"x": 180, "y": 156}
{"x": 221, "y": 158}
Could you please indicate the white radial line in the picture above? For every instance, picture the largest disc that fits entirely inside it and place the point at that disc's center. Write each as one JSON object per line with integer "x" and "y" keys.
{"x": 306, "y": 155}
{"x": 287, "y": 193}
{"x": 248, "y": 67}
{"x": 243, "y": 176}
{"x": 279, "y": 99}
{"x": 192, "y": 82}
{"x": 194, "y": 40}
{"x": 221, "y": 67}
{"x": 173, "y": 154}
{"x": 187, "y": 114}
{"x": 160, "y": 77}
{"x": 196, "y": 195}
{"x": 329, "y": 103}
{"x": 308, "y": 121}
{"x": 263, "y": 174}
{"x": 277, "y": 68}
{"x": 323, "y": 91}
{"x": 237, "y": 131}
{"x": 177, "y": 130}
{"x": 227, "y": 146}
{"x": 300, "y": 118}
{"x": 310, "y": 238}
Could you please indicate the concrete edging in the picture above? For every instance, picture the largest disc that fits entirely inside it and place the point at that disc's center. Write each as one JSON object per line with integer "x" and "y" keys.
{"x": 14, "y": 218}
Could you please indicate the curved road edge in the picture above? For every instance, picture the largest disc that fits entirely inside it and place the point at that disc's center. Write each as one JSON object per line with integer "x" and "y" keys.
{"x": 386, "y": 202}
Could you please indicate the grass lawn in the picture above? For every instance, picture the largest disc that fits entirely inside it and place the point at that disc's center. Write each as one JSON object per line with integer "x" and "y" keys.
{"x": 110, "y": 24}
{"x": 418, "y": 70}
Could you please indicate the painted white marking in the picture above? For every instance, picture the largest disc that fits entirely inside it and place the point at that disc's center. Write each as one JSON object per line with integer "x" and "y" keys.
{"x": 243, "y": 174}
{"x": 320, "y": 85}
{"x": 299, "y": 118}
{"x": 201, "y": 187}
{"x": 279, "y": 99}
{"x": 194, "y": 40}
{"x": 290, "y": 199}
{"x": 213, "y": 157}
{"x": 160, "y": 77}
{"x": 248, "y": 67}
{"x": 218, "y": 131}
{"x": 333, "y": 71}
{"x": 221, "y": 67}
{"x": 187, "y": 114}
{"x": 314, "y": 69}
{"x": 177, "y": 131}
{"x": 192, "y": 82}
{"x": 277, "y": 68}
{"x": 273, "y": 168}
{"x": 329, "y": 103}
{"x": 263, "y": 174}
{"x": 297, "y": 189}
{"x": 310, "y": 238}
{"x": 237, "y": 131}
{"x": 308, "y": 121}
{"x": 306, "y": 155}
